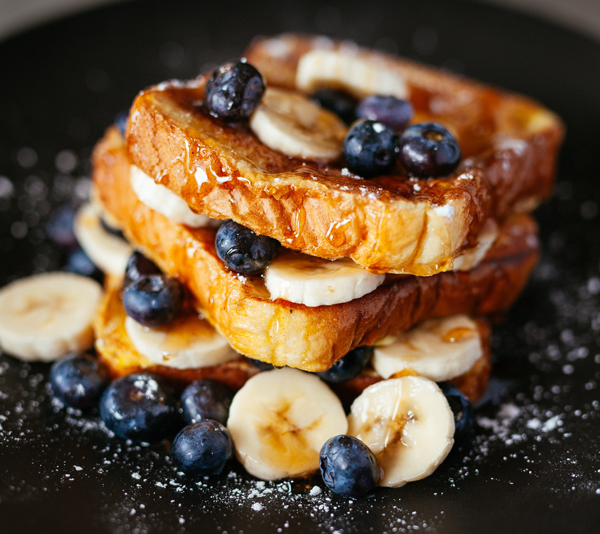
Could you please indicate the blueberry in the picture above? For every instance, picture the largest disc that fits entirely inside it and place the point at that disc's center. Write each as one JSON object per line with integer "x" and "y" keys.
{"x": 348, "y": 467}
{"x": 121, "y": 121}
{"x": 60, "y": 227}
{"x": 202, "y": 448}
{"x": 243, "y": 250}
{"x": 111, "y": 229}
{"x": 233, "y": 91}
{"x": 153, "y": 300}
{"x": 261, "y": 366}
{"x": 140, "y": 407}
{"x": 206, "y": 399}
{"x": 392, "y": 111}
{"x": 339, "y": 102}
{"x": 428, "y": 150}
{"x": 79, "y": 262}
{"x": 461, "y": 408}
{"x": 78, "y": 380}
{"x": 348, "y": 367}
{"x": 370, "y": 148}
{"x": 137, "y": 266}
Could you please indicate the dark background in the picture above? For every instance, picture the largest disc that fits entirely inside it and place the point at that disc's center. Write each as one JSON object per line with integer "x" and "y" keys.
{"x": 534, "y": 464}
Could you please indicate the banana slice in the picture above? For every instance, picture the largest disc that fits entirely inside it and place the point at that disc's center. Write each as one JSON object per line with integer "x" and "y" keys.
{"x": 472, "y": 258}
{"x": 161, "y": 199}
{"x": 46, "y": 316}
{"x": 314, "y": 281}
{"x": 109, "y": 252}
{"x": 439, "y": 349}
{"x": 280, "y": 420}
{"x": 408, "y": 425}
{"x": 346, "y": 70}
{"x": 294, "y": 125}
{"x": 186, "y": 342}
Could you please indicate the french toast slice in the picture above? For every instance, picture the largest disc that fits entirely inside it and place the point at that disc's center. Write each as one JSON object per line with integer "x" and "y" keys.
{"x": 284, "y": 333}
{"x": 389, "y": 224}
{"x": 116, "y": 350}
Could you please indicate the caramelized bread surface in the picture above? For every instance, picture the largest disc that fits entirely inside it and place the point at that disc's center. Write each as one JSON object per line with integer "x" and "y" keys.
{"x": 284, "y": 333}
{"x": 116, "y": 350}
{"x": 389, "y": 224}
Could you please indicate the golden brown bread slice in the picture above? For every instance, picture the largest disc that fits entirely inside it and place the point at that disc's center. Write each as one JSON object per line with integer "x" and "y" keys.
{"x": 115, "y": 349}
{"x": 284, "y": 333}
{"x": 118, "y": 353}
{"x": 387, "y": 224}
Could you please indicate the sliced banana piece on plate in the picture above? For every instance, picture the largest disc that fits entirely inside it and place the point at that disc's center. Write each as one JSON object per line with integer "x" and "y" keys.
{"x": 290, "y": 123}
{"x": 280, "y": 420}
{"x": 311, "y": 281}
{"x": 161, "y": 199}
{"x": 186, "y": 342}
{"x": 107, "y": 251}
{"x": 439, "y": 349}
{"x": 408, "y": 425}
{"x": 46, "y": 316}
{"x": 347, "y": 70}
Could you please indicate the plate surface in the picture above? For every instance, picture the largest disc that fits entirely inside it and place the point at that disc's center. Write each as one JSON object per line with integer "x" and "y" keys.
{"x": 534, "y": 464}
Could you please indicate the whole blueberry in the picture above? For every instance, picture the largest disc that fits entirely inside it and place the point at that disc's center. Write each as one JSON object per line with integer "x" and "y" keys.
{"x": 338, "y": 102}
{"x": 140, "y": 407}
{"x": 428, "y": 150}
{"x": 112, "y": 230}
{"x": 370, "y": 148}
{"x": 137, "y": 266}
{"x": 348, "y": 367}
{"x": 121, "y": 121}
{"x": 348, "y": 467}
{"x": 78, "y": 380}
{"x": 206, "y": 399}
{"x": 60, "y": 227}
{"x": 261, "y": 366}
{"x": 153, "y": 300}
{"x": 391, "y": 111}
{"x": 79, "y": 262}
{"x": 243, "y": 250}
{"x": 202, "y": 448}
{"x": 233, "y": 91}
{"x": 462, "y": 409}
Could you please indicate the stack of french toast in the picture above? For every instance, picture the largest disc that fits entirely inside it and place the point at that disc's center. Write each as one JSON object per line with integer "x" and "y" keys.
{"x": 327, "y": 209}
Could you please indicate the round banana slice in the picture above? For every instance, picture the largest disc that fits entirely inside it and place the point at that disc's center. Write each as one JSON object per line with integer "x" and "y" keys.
{"x": 314, "y": 281}
{"x": 186, "y": 342}
{"x": 408, "y": 425}
{"x": 438, "y": 349}
{"x": 347, "y": 70}
{"x": 280, "y": 420}
{"x": 109, "y": 252}
{"x": 46, "y": 316}
{"x": 161, "y": 199}
{"x": 297, "y": 127}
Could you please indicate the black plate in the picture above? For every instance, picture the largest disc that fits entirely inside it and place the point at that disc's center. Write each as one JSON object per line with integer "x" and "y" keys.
{"x": 534, "y": 465}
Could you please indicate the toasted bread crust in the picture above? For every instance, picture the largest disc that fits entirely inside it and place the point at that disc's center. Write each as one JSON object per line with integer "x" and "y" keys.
{"x": 284, "y": 333}
{"x": 388, "y": 224}
{"x": 117, "y": 352}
